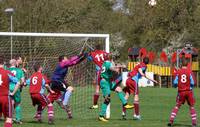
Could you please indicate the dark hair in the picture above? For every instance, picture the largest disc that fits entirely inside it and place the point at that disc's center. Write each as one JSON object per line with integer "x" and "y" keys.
{"x": 60, "y": 58}
{"x": 1, "y": 60}
{"x": 36, "y": 67}
{"x": 17, "y": 57}
{"x": 185, "y": 61}
{"x": 145, "y": 60}
{"x": 98, "y": 47}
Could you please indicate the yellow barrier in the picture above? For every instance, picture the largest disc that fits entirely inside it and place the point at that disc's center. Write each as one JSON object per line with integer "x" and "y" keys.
{"x": 195, "y": 66}
{"x": 159, "y": 70}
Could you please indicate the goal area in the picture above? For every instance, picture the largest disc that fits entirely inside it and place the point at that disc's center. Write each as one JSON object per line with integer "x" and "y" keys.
{"x": 45, "y": 48}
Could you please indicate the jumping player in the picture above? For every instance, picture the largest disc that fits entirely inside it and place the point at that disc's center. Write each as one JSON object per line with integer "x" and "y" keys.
{"x": 58, "y": 83}
{"x": 98, "y": 57}
{"x": 106, "y": 86}
{"x": 132, "y": 86}
{"x": 185, "y": 83}
{"x": 38, "y": 82}
{"x": 5, "y": 101}
{"x": 19, "y": 74}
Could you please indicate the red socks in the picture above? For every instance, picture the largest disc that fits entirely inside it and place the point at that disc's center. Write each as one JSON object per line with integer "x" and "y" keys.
{"x": 7, "y": 124}
{"x": 173, "y": 114}
{"x": 50, "y": 113}
{"x": 136, "y": 107}
{"x": 193, "y": 116}
{"x": 95, "y": 99}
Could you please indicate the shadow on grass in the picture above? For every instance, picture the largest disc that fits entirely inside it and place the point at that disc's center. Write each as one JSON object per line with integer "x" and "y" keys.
{"x": 35, "y": 122}
{"x": 181, "y": 125}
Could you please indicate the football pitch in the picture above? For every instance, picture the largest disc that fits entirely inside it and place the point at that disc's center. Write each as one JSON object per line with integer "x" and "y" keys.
{"x": 155, "y": 107}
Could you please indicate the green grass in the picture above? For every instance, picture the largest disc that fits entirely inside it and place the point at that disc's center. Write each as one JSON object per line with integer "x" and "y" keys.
{"x": 155, "y": 104}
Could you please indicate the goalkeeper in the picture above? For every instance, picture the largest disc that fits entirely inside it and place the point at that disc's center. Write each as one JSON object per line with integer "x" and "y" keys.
{"x": 58, "y": 78}
{"x": 106, "y": 86}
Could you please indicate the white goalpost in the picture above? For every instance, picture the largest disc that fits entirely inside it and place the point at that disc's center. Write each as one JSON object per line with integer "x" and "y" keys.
{"x": 46, "y": 47}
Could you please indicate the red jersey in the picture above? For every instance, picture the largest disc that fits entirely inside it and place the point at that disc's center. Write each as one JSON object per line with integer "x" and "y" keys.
{"x": 37, "y": 83}
{"x": 184, "y": 79}
{"x": 135, "y": 74}
{"x": 4, "y": 82}
{"x": 99, "y": 56}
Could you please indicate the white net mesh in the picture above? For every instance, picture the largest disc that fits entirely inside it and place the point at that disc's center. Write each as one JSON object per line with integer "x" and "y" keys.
{"x": 46, "y": 50}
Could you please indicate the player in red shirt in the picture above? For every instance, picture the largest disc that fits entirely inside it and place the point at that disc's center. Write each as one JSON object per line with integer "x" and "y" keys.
{"x": 38, "y": 82}
{"x": 185, "y": 83}
{"x": 98, "y": 57}
{"x": 5, "y": 100}
{"x": 132, "y": 86}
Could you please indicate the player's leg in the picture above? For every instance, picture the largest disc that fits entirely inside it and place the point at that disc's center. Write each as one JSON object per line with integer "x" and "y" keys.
{"x": 95, "y": 97}
{"x": 38, "y": 115}
{"x": 51, "y": 98}
{"x": 8, "y": 122}
{"x": 180, "y": 99}
{"x": 66, "y": 108}
{"x": 6, "y": 106}
{"x": 44, "y": 102}
{"x": 18, "y": 111}
{"x": 67, "y": 95}
{"x": 191, "y": 103}
{"x": 11, "y": 89}
{"x": 36, "y": 102}
{"x": 68, "y": 111}
{"x": 123, "y": 108}
{"x": 105, "y": 87}
{"x": 115, "y": 86}
{"x": 193, "y": 116}
{"x": 97, "y": 88}
{"x": 136, "y": 115}
{"x": 57, "y": 87}
{"x": 50, "y": 111}
{"x": 129, "y": 89}
{"x": 1, "y": 116}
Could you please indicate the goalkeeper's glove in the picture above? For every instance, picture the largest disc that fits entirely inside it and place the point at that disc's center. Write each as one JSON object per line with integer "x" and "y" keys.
{"x": 83, "y": 56}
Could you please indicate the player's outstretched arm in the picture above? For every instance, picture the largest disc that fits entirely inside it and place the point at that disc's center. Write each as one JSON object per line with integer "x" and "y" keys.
{"x": 117, "y": 68}
{"x": 73, "y": 60}
{"x": 146, "y": 76}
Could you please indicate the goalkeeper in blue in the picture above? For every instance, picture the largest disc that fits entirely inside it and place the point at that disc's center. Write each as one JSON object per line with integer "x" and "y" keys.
{"x": 107, "y": 85}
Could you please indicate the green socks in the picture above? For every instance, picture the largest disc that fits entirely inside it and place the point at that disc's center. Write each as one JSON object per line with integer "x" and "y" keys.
{"x": 121, "y": 97}
{"x": 18, "y": 112}
{"x": 103, "y": 110}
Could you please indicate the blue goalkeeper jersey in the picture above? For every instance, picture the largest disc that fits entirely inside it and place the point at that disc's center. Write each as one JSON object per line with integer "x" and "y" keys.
{"x": 62, "y": 68}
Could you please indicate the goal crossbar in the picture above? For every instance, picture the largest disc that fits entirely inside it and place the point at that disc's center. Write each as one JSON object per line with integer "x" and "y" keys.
{"x": 106, "y": 36}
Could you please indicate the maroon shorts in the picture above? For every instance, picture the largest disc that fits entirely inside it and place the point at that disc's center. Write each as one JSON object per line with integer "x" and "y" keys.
{"x": 6, "y": 106}
{"x": 185, "y": 96}
{"x": 131, "y": 87}
{"x": 39, "y": 99}
{"x": 54, "y": 96}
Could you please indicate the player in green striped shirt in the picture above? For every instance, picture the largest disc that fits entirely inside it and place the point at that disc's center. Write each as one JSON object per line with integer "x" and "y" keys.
{"x": 107, "y": 85}
{"x": 19, "y": 74}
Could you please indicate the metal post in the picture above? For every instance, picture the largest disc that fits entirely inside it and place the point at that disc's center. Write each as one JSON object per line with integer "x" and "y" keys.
{"x": 11, "y": 38}
{"x": 10, "y": 11}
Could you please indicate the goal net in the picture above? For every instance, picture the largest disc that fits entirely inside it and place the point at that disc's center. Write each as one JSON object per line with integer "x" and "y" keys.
{"x": 44, "y": 48}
